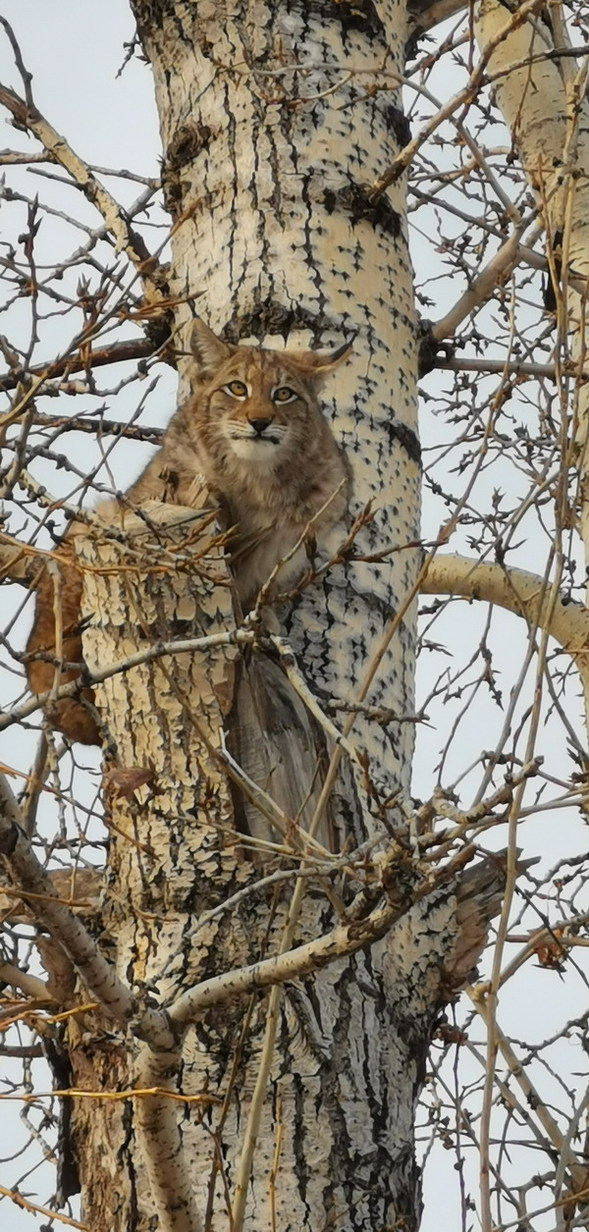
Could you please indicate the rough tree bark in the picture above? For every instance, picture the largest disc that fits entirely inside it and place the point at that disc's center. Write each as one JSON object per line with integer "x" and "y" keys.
{"x": 289, "y": 1109}
{"x": 270, "y": 154}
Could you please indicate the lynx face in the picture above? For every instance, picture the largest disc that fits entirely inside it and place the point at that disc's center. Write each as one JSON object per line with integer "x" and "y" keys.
{"x": 255, "y": 430}
{"x": 259, "y": 409}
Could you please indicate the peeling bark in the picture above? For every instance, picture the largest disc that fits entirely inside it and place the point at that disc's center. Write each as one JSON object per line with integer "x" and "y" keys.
{"x": 271, "y": 152}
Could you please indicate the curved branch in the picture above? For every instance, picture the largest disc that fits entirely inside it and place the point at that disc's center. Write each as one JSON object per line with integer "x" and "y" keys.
{"x": 525, "y": 594}
{"x": 425, "y": 14}
{"x": 36, "y": 887}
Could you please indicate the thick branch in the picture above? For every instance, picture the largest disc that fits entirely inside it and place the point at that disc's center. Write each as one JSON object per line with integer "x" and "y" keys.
{"x": 18, "y": 563}
{"x": 119, "y": 352}
{"x": 525, "y": 594}
{"x": 170, "y": 1174}
{"x": 425, "y": 14}
{"x": 400, "y": 893}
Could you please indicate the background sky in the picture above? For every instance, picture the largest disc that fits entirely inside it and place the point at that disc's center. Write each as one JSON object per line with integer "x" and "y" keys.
{"x": 75, "y": 50}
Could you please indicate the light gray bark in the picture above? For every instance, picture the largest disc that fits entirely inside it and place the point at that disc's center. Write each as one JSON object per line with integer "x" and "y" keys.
{"x": 272, "y": 143}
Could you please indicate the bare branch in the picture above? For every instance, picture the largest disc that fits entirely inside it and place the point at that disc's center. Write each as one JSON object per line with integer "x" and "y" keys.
{"x": 127, "y": 240}
{"x": 525, "y": 594}
{"x": 119, "y": 352}
{"x": 31, "y": 878}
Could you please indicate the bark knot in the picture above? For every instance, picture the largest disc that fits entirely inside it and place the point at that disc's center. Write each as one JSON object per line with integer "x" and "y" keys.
{"x": 359, "y": 202}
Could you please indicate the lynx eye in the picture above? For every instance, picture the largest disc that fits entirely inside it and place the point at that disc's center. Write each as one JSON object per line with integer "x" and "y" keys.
{"x": 237, "y": 389}
{"x": 283, "y": 393}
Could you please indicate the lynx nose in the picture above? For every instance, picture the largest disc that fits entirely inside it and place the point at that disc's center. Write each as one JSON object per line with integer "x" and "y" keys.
{"x": 259, "y": 425}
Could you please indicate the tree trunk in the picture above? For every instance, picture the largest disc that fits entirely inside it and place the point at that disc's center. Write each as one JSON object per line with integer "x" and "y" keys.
{"x": 272, "y": 142}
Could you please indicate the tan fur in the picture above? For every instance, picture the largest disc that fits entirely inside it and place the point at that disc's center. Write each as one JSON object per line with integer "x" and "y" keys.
{"x": 270, "y": 483}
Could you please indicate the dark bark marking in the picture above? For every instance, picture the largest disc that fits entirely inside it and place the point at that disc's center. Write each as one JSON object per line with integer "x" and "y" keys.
{"x": 357, "y": 201}
{"x": 397, "y": 123}
{"x": 9, "y": 841}
{"x": 68, "y": 1176}
{"x": 430, "y": 349}
{"x": 272, "y": 317}
{"x": 406, "y": 437}
{"x": 302, "y": 1163}
{"x": 186, "y": 144}
{"x": 126, "y": 1160}
{"x": 351, "y": 15}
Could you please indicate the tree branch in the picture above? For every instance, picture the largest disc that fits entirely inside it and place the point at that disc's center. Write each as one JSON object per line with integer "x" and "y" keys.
{"x": 496, "y": 271}
{"x": 425, "y": 14}
{"x": 136, "y": 348}
{"x": 507, "y": 367}
{"x": 241, "y": 637}
{"x": 81, "y": 949}
{"x": 516, "y": 590}
{"x": 127, "y": 240}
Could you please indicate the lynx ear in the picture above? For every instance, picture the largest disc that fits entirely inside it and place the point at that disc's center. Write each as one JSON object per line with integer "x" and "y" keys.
{"x": 208, "y": 350}
{"x": 318, "y": 364}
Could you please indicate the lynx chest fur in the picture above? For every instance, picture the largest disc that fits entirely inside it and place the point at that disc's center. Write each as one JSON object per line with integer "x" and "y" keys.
{"x": 251, "y": 436}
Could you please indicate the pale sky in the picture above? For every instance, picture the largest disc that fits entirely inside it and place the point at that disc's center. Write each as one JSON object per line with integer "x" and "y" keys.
{"x": 74, "y": 50}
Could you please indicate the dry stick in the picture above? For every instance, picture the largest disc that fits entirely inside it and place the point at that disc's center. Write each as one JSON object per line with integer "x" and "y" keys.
{"x": 126, "y": 239}
{"x": 246, "y": 1157}
{"x": 299, "y": 684}
{"x": 34, "y": 1209}
{"x": 533, "y": 1100}
{"x": 407, "y": 154}
{"x": 560, "y": 934}
{"x": 262, "y": 801}
{"x": 56, "y": 575}
{"x": 512, "y": 367}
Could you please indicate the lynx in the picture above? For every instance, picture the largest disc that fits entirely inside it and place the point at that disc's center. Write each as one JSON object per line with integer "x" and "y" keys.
{"x": 252, "y": 437}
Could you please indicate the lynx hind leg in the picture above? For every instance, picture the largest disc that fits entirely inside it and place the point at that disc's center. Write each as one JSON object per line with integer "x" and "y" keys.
{"x": 67, "y": 716}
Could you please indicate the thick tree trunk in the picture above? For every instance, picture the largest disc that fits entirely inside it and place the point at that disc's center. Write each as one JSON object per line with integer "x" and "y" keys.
{"x": 273, "y": 137}
{"x": 270, "y": 157}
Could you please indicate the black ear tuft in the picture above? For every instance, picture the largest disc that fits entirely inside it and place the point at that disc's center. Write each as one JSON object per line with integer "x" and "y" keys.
{"x": 317, "y": 364}
{"x": 208, "y": 350}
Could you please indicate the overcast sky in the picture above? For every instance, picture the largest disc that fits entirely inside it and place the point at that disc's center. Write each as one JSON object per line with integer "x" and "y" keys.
{"x": 74, "y": 50}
